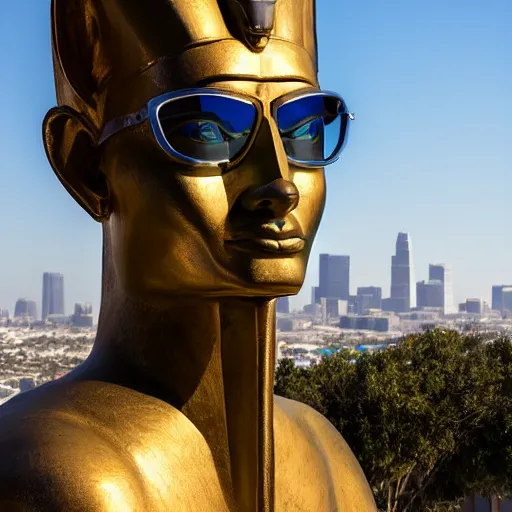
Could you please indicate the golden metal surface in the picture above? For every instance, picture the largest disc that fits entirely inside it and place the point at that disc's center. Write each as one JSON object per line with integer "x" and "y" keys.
{"x": 174, "y": 410}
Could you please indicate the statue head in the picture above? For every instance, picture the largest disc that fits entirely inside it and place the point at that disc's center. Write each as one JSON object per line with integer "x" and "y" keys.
{"x": 196, "y": 133}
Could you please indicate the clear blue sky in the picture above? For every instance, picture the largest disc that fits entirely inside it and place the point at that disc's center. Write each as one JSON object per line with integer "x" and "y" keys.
{"x": 430, "y": 152}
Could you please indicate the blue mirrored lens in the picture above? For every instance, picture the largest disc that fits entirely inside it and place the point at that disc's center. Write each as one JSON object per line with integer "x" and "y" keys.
{"x": 313, "y": 128}
{"x": 206, "y": 127}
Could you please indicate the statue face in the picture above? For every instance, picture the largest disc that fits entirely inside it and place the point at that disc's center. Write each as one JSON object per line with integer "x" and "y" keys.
{"x": 178, "y": 227}
{"x": 178, "y": 230}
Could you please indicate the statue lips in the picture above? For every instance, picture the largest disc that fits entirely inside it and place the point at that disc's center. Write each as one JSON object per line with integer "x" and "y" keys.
{"x": 282, "y": 237}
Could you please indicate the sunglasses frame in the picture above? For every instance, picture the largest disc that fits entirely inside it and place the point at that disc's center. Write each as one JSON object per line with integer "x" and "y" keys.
{"x": 151, "y": 112}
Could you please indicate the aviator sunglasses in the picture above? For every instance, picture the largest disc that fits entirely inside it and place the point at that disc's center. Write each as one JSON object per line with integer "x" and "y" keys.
{"x": 205, "y": 127}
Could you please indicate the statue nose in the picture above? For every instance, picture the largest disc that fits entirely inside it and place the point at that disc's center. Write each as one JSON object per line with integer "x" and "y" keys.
{"x": 276, "y": 199}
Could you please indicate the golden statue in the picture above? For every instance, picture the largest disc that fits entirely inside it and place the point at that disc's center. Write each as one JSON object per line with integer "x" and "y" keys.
{"x": 196, "y": 133}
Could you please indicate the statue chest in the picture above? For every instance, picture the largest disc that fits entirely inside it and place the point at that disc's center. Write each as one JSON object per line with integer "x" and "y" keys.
{"x": 183, "y": 477}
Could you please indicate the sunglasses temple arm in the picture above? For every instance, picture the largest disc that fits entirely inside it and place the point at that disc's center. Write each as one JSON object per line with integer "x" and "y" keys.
{"x": 120, "y": 123}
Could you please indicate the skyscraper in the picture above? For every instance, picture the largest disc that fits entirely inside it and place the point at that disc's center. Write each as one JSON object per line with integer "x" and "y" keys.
{"x": 403, "y": 290}
{"x": 375, "y": 294}
{"x": 474, "y": 306}
{"x": 315, "y": 295}
{"x": 443, "y": 273}
{"x": 497, "y": 296}
{"x": 506, "y": 300}
{"x": 334, "y": 277}
{"x": 25, "y": 309}
{"x": 430, "y": 294}
{"x": 53, "y": 295}
{"x": 283, "y": 305}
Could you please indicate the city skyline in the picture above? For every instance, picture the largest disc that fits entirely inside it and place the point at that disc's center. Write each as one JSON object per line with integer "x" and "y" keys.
{"x": 334, "y": 282}
{"x": 435, "y": 292}
{"x": 422, "y": 157}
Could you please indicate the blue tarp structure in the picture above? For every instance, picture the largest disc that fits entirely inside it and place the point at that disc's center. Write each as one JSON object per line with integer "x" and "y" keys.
{"x": 369, "y": 348}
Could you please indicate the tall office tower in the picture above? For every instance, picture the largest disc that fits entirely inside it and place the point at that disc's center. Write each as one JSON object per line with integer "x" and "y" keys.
{"x": 334, "y": 277}
{"x": 315, "y": 295}
{"x": 497, "y": 295}
{"x": 332, "y": 308}
{"x": 403, "y": 291}
{"x": 443, "y": 273}
{"x": 506, "y": 300}
{"x": 363, "y": 304}
{"x": 474, "y": 306}
{"x": 430, "y": 294}
{"x": 26, "y": 309}
{"x": 375, "y": 292}
{"x": 53, "y": 295}
{"x": 283, "y": 305}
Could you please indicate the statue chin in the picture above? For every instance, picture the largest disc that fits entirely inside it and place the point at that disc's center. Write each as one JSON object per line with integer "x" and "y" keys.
{"x": 246, "y": 270}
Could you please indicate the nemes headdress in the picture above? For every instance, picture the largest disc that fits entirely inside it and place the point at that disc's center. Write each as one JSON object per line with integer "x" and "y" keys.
{"x": 99, "y": 45}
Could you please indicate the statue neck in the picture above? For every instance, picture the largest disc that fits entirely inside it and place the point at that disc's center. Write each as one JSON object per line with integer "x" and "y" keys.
{"x": 214, "y": 361}
{"x": 248, "y": 359}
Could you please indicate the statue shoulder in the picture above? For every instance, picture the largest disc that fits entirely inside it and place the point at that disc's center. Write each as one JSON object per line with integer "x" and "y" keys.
{"x": 54, "y": 458}
{"x": 348, "y": 480}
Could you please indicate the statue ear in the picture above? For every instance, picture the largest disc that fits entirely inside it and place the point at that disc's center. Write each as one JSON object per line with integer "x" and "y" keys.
{"x": 71, "y": 149}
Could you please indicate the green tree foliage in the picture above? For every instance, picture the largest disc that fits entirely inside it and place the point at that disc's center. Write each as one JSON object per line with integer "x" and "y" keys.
{"x": 430, "y": 420}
